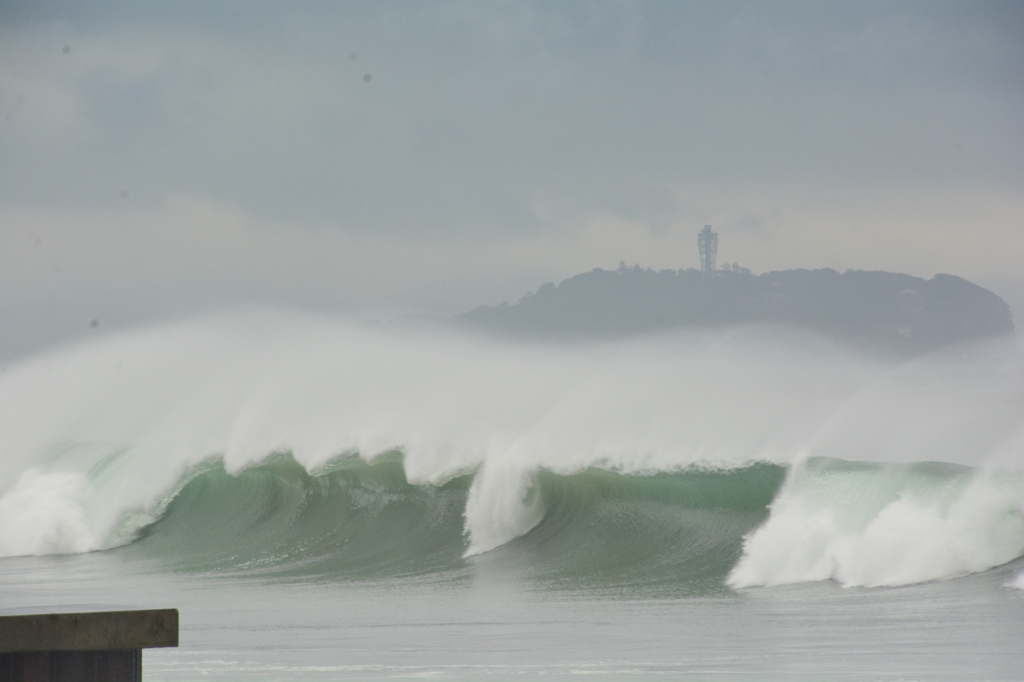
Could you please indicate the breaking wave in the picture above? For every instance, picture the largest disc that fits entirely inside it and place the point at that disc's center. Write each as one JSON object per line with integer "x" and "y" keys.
{"x": 302, "y": 448}
{"x": 867, "y": 524}
{"x": 860, "y": 524}
{"x": 356, "y": 519}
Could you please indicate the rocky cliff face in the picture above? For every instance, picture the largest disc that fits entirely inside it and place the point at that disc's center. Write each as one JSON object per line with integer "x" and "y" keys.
{"x": 882, "y": 311}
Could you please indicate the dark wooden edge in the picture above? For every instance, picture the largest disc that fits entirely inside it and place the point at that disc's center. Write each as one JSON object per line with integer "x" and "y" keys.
{"x": 89, "y": 631}
{"x": 73, "y": 666}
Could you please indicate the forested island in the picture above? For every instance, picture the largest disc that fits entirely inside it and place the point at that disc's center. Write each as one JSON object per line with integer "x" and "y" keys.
{"x": 880, "y": 311}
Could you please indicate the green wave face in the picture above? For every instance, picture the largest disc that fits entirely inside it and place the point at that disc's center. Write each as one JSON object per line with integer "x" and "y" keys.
{"x": 679, "y": 531}
{"x": 666, "y": 533}
{"x": 694, "y": 531}
{"x": 353, "y": 519}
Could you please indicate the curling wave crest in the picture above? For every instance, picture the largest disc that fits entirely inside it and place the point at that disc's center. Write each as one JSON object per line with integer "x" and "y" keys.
{"x": 284, "y": 444}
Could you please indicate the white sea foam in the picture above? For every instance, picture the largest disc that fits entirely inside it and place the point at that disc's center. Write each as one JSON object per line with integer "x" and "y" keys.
{"x": 885, "y": 526}
{"x": 93, "y": 437}
{"x": 500, "y": 507}
{"x": 44, "y": 514}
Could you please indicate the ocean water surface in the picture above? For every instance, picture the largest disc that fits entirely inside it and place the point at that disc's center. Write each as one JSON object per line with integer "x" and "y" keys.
{"x": 323, "y": 500}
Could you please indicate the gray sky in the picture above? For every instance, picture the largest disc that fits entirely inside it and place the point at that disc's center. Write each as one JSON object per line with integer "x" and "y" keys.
{"x": 161, "y": 159}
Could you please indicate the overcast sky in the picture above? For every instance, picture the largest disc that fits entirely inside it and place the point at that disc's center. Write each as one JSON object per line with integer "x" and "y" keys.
{"x": 165, "y": 158}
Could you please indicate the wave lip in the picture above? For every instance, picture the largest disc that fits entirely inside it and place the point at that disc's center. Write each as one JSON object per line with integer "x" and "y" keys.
{"x": 872, "y": 525}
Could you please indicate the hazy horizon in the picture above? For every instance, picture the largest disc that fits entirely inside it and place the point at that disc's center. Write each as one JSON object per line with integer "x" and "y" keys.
{"x": 211, "y": 214}
{"x": 375, "y": 159}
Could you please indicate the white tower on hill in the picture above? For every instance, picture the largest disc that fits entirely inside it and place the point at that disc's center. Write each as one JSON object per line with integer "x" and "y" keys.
{"x": 707, "y": 244}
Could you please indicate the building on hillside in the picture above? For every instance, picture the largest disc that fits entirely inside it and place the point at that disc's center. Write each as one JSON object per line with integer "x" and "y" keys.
{"x": 707, "y": 244}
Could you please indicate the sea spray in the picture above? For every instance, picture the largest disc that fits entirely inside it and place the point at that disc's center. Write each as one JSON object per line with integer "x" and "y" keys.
{"x": 242, "y": 387}
{"x": 99, "y": 440}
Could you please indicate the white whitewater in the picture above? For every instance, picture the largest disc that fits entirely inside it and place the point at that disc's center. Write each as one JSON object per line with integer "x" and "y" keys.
{"x": 883, "y": 529}
{"x": 95, "y": 437}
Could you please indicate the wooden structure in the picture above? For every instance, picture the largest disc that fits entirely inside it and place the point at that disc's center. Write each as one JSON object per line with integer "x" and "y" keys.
{"x": 97, "y": 646}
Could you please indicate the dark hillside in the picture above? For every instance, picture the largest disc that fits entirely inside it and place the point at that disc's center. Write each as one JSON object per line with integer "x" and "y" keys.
{"x": 882, "y": 311}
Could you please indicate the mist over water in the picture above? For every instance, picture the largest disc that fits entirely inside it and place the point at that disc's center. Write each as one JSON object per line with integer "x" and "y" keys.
{"x": 608, "y": 495}
{"x": 402, "y": 450}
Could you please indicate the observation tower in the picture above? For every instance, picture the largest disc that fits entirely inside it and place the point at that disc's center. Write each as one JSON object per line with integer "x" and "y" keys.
{"x": 707, "y": 244}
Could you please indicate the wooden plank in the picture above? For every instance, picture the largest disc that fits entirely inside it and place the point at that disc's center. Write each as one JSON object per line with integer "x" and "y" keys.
{"x": 89, "y": 631}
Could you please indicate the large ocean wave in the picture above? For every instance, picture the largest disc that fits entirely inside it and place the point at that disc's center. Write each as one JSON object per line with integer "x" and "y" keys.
{"x": 300, "y": 447}
{"x": 356, "y": 519}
